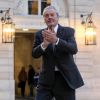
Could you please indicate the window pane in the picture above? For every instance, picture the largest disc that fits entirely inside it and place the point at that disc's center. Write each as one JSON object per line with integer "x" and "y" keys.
{"x": 33, "y": 7}
{"x": 44, "y": 3}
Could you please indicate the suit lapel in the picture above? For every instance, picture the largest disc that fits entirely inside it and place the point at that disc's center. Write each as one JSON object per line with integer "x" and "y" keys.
{"x": 59, "y": 31}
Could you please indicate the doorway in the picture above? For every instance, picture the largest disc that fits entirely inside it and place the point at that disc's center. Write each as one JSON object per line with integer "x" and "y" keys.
{"x": 23, "y": 57}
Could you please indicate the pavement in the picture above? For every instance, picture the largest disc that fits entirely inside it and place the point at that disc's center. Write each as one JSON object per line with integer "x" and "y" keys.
{"x": 26, "y": 98}
{"x": 23, "y": 98}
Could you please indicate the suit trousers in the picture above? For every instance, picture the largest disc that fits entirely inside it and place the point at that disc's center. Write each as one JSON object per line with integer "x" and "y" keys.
{"x": 59, "y": 90}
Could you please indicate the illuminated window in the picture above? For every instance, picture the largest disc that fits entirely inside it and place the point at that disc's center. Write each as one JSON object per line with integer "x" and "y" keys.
{"x": 35, "y": 7}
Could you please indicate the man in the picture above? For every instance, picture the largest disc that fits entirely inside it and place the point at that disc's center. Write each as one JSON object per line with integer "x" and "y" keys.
{"x": 31, "y": 73}
{"x": 22, "y": 78}
{"x": 56, "y": 44}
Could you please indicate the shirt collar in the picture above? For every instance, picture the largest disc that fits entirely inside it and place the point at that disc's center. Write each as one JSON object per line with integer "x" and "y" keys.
{"x": 56, "y": 28}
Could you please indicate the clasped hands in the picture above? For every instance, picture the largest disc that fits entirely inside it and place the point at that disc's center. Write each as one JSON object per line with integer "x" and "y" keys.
{"x": 48, "y": 37}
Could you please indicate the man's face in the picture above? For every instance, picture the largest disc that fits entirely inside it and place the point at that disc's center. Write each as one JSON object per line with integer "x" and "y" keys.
{"x": 50, "y": 18}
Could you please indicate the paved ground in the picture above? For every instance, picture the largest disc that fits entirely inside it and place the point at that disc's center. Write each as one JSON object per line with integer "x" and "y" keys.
{"x": 24, "y": 98}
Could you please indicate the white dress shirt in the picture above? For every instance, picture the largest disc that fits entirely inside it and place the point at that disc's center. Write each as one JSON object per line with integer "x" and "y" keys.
{"x": 55, "y": 30}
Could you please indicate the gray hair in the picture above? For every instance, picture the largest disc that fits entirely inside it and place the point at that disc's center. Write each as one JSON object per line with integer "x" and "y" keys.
{"x": 50, "y": 8}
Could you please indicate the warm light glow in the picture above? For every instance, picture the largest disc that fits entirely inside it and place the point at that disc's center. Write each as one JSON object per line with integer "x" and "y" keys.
{"x": 48, "y": 1}
{"x": 8, "y": 32}
{"x": 90, "y": 36}
{"x": 8, "y": 27}
{"x": 25, "y": 29}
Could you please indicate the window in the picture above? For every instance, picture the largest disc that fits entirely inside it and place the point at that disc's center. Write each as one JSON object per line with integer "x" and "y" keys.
{"x": 44, "y": 3}
{"x": 35, "y": 7}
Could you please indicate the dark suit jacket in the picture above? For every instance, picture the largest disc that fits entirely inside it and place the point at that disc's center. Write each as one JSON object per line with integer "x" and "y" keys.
{"x": 61, "y": 57}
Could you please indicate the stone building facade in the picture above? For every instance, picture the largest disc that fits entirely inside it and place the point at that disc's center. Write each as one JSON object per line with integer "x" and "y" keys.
{"x": 87, "y": 59}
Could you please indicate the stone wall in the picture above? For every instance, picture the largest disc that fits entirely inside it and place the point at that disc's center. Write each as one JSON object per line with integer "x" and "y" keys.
{"x": 87, "y": 58}
{"x": 6, "y": 72}
{"x": 7, "y": 88}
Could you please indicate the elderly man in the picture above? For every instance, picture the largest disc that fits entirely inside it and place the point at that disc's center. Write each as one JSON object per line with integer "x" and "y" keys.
{"x": 56, "y": 44}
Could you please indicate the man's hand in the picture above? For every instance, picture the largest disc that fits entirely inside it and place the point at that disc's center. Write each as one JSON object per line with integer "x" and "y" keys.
{"x": 45, "y": 43}
{"x": 49, "y": 36}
